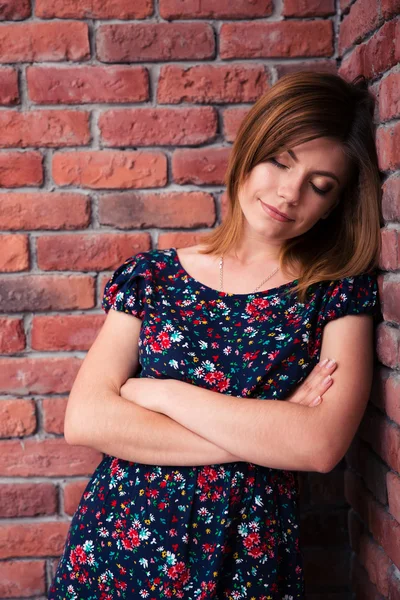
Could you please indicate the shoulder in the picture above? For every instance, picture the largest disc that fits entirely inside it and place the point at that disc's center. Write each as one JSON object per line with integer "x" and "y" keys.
{"x": 355, "y": 294}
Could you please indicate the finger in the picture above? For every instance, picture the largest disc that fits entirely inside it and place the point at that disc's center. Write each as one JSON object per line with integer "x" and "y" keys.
{"x": 316, "y": 401}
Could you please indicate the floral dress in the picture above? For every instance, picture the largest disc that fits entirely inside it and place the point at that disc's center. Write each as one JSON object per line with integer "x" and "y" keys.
{"x": 219, "y": 531}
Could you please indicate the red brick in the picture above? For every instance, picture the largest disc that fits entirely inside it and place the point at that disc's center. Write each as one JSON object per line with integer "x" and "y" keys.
{"x": 38, "y": 375}
{"x": 17, "y": 418}
{"x": 379, "y": 522}
{"x": 392, "y": 398}
{"x": 32, "y": 539}
{"x": 46, "y": 458}
{"x": 108, "y": 169}
{"x": 9, "y": 93}
{"x": 73, "y": 492}
{"x": 388, "y": 344}
{"x": 203, "y": 166}
{"x": 179, "y": 239}
{"x": 211, "y": 83}
{"x": 208, "y": 9}
{"x": 46, "y": 292}
{"x": 77, "y": 85}
{"x": 389, "y": 8}
{"x": 393, "y": 487}
{"x": 20, "y": 168}
{"x": 127, "y": 210}
{"x": 389, "y": 259}
{"x": 386, "y": 531}
{"x": 363, "y": 588}
{"x": 389, "y": 97}
{"x": 354, "y": 63}
{"x": 93, "y": 9}
{"x": 14, "y": 252}
{"x": 15, "y": 9}
{"x": 27, "y": 499}
{"x": 44, "y": 128}
{"x": 362, "y": 19}
{"x": 65, "y": 332}
{"x": 344, "y": 5}
{"x": 377, "y": 394}
{"x": 35, "y": 41}
{"x": 232, "y": 118}
{"x": 135, "y": 42}
{"x": 311, "y": 8}
{"x": 372, "y": 470}
{"x": 281, "y": 39}
{"x": 158, "y": 126}
{"x": 12, "y": 335}
{"x": 388, "y": 143}
{"x": 383, "y": 436}
{"x": 322, "y": 65}
{"x": 54, "y": 414}
{"x": 391, "y": 198}
{"x": 391, "y": 301}
{"x": 376, "y": 563}
{"x": 373, "y": 57}
{"x": 27, "y": 578}
{"x": 88, "y": 251}
{"x": 394, "y": 584}
{"x": 44, "y": 210}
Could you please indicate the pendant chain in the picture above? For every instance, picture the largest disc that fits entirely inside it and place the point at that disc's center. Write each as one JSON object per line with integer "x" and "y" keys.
{"x": 221, "y": 264}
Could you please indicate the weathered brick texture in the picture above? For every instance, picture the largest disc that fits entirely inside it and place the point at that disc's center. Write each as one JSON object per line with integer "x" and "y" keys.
{"x": 116, "y": 124}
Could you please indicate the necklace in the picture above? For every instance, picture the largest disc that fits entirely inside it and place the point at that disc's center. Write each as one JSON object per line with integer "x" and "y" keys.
{"x": 221, "y": 264}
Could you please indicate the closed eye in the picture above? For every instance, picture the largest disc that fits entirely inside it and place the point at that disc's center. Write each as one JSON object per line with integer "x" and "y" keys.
{"x": 317, "y": 190}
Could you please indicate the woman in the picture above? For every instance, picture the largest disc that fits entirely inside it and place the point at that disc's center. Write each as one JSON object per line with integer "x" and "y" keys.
{"x": 197, "y": 495}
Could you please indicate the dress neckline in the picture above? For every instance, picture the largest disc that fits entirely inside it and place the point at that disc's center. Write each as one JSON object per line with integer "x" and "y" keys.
{"x": 268, "y": 292}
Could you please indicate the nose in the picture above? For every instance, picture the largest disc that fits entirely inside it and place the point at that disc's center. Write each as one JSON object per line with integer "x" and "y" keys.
{"x": 290, "y": 189}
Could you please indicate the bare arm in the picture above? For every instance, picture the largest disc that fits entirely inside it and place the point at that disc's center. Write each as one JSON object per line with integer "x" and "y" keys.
{"x": 281, "y": 435}
{"x": 131, "y": 432}
{"x": 98, "y": 417}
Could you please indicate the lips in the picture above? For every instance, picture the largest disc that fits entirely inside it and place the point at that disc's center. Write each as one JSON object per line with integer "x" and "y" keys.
{"x": 277, "y": 212}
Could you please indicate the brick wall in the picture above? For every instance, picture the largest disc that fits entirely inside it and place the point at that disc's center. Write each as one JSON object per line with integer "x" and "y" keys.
{"x": 369, "y": 43}
{"x": 116, "y": 121}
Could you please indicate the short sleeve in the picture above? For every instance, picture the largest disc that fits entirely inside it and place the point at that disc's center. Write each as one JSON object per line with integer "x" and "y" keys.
{"x": 354, "y": 295}
{"x": 126, "y": 290}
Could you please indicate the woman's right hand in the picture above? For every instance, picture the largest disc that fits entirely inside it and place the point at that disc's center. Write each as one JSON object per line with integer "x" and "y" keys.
{"x": 310, "y": 391}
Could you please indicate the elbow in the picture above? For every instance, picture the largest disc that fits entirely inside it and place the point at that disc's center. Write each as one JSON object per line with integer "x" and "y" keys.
{"x": 328, "y": 461}
{"x": 75, "y": 426}
{"x": 324, "y": 457}
{"x": 71, "y": 434}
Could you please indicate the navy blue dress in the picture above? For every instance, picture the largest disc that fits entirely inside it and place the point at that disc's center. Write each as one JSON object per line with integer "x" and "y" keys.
{"x": 223, "y": 531}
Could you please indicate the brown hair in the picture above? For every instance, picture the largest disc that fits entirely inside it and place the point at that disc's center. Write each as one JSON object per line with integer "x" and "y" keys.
{"x": 302, "y": 106}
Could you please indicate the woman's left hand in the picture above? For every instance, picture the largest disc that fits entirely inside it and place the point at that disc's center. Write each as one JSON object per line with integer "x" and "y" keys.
{"x": 145, "y": 391}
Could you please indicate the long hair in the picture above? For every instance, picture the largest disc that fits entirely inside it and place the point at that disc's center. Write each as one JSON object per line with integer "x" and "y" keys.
{"x": 299, "y": 107}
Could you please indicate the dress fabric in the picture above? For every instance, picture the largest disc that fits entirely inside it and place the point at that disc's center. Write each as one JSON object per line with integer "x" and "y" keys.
{"x": 220, "y": 531}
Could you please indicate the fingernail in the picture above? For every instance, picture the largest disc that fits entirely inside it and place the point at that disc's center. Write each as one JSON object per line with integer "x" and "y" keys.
{"x": 331, "y": 363}
{"x": 323, "y": 362}
{"x": 316, "y": 401}
{"x": 327, "y": 380}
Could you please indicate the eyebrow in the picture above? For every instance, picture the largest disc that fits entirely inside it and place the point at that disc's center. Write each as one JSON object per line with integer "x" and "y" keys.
{"x": 328, "y": 173}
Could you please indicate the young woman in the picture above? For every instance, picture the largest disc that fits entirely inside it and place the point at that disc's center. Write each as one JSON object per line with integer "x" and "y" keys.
{"x": 208, "y": 386}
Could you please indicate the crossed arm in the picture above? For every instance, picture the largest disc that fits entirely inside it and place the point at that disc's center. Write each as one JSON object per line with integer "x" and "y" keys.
{"x": 277, "y": 434}
{"x": 183, "y": 424}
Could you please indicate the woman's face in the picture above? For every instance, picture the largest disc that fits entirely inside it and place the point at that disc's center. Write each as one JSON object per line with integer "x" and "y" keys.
{"x": 295, "y": 189}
